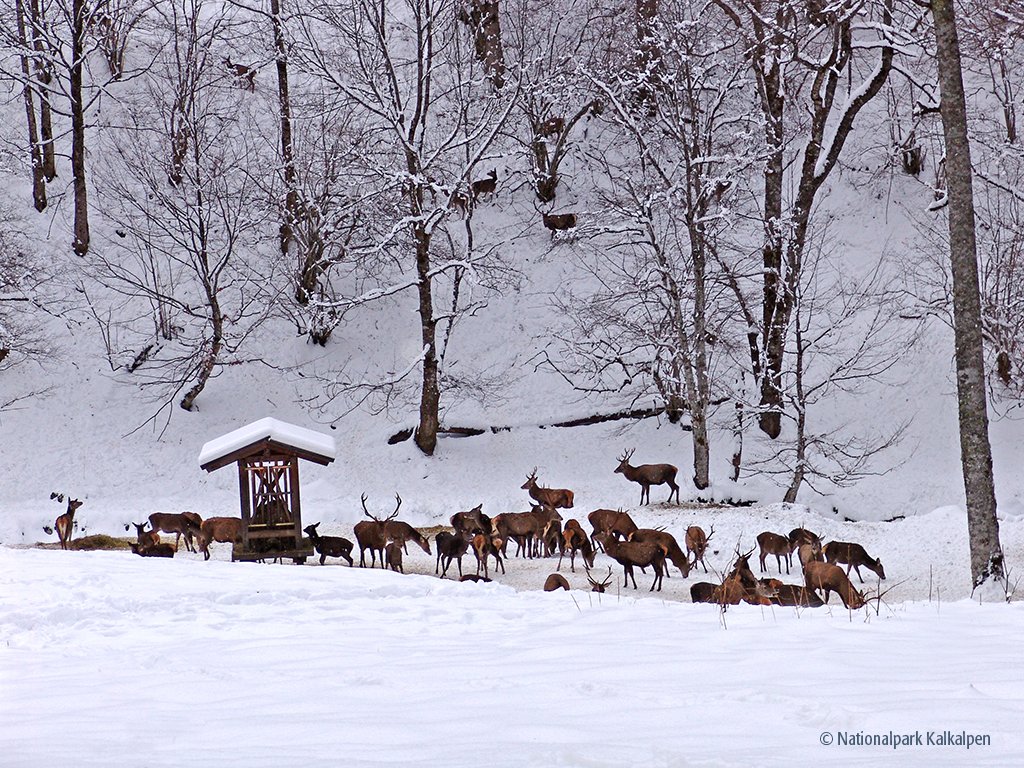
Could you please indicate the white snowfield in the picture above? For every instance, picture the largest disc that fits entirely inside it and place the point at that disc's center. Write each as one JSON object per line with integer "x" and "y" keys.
{"x": 107, "y": 659}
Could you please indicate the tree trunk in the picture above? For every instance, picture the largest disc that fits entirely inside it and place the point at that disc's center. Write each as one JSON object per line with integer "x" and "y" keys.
{"x": 307, "y": 270}
{"x": 430, "y": 395}
{"x": 44, "y": 77}
{"x": 975, "y": 450}
{"x": 485, "y": 19}
{"x": 35, "y": 150}
{"x": 80, "y": 243}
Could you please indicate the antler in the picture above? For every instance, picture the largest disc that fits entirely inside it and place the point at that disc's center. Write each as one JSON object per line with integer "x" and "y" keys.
{"x": 712, "y": 533}
{"x": 627, "y": 455}
{"x": 362, "y": 500}
{"x": 603, "y": 584}
{"x": 394, "y": 514}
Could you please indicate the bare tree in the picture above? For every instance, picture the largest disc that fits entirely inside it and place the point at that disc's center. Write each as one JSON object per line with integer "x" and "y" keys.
{"x": 975, "y": 450}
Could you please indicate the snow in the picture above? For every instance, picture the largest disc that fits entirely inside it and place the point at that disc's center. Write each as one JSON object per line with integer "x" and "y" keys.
{"x": 109, "y": 659}
{"x": 274, "y": 429}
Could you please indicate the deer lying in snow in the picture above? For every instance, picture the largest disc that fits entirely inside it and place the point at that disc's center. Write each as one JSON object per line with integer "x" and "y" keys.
{"x": 555, "y": 581}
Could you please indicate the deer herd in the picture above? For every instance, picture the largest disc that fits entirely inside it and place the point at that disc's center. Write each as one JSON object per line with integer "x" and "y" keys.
{"x": 542, "y": 532}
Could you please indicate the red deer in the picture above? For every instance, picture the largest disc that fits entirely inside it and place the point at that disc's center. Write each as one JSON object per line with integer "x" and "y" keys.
{"x": 778, "y": 545}
{"x": 800, "y": 536}
{"x": 553, "y": 126}
{"x": 450, "y": 546}
{"x": 176, "y": 524}
{"x": 143, "y": 537}
{"x": 473, "y": 521}
{"x": 551, "y": 536}
{"x": 555, "y": 581}
{"x": 632, "y": 553}
{"x": 697, "y": 544}
{"x": 703, "y": 592}
{"x": 485, "y": 545}
{"x": 809, "y": 553}
{"x": 667, "y": 542}
{"x": 371, "y": 534}
{"x": 223, "y": 530}
{"x": 854, "y": 555}
{"x": 556, "y": 498}
{"x": 600, "y": 586}
{"x": 393, "y": 551}
{"x": 473, "y": 577}
{"x": 245, "y": 76}
{"x": 65, "y": 523}
{"x": 832, "y": 579}
{"x": 525, "y": 528}
{"x": 647, "y": 475}
{"x": 613, "y": 521}
{"x": 559, "y": 222}
{"x": 797, "y": 596}
{"x": 327, "y": 546}
{"x": 576, "y": 540}
{"x": 402, "y": 532}
{"x": 485, "y": 186}
{"x": 157, "y": 550}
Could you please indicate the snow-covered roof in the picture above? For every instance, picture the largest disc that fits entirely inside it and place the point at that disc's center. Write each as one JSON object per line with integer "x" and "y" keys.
{"x": 281, "y": 432}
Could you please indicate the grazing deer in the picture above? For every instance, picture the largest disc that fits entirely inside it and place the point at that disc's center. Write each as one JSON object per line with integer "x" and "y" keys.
{"x": 393, "y": 550}
{"x": 613, "y": 521}
{"x": 223, "y": 530}
{"x": 176, "y": 523}
{"x": 143, "y": 537}
{"x": 576, "y": 540}
{"x": 156, "y": 550}
{"x": 647, "y": 475}
{"x": 854, "y": 555}
{"x": 485, "y": 186}
{"x": 809, "y": 553}
{"x": 632, "y": 553}
{"x": 450, "y": 546}
{"x": 832, "y": 579}
{"x": 402, "y": 532}
{"x": 65, "y": 523}
{"x": 485, "y": 545}
{"x": 245, "y": 76}
{"x": 371, "y": 534}
{"x": 667, "y": 542}
{"x": 329, "y": 546}
{"x": 559, "y": 222}
{"x": 555, "y": 581}
{"x": 556, "y": 498}
{"x": 600, "y": 586}
{"x": 800, "y": 536}
{"x": 471, "y": 522}
{"x": 697, "y": 544}
{"x": 775, "y": 544}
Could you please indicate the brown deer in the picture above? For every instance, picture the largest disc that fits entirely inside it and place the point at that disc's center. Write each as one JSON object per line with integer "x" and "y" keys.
{"x": 156, "y": 550}
{"x": 176, "y": 523}
{"x": 65, "y": 523}
{"x": 647, "y": 475}
{"x": 832, "y": 579}
{"x": 697, "y": 544}
{"x": 775, "y": 544}
{"x": 632, "y": 553}
{"x": 485, "y": 545}
{"x": 485, "y": 186}
{"x": 613, "y": 521}
{"x": 555, "y": 581}
{"x": 809, "y": 553}
{"x": 402, "y": 532}
{"x": 576, "y": 541}
{"x": 327, "y": 546}
{"x": 471, "y": 522}
{"x": 667, "y": 542}
{"x": 143, "y": 537}
{"x": 854, "y": 555}
{"x": 559, "y": 222}
{"x": 223, "y": 530}
{"x": 553, "y": 126}
{"x": 800, "y": 536}
{"x": 796, "y": 595}
{"x": 450, "y": 546}
{"x": 245, "y": 76}
{"x": 600, "y": 586}
{"x": 525, "y": 528}
{"x": 393, "y": 551}
{"x": 556, "y": 498}
{"x": 371, "y": 534}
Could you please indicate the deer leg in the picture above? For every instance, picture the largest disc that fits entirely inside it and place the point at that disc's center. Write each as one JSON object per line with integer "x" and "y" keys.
{"x": 857, "y": 568}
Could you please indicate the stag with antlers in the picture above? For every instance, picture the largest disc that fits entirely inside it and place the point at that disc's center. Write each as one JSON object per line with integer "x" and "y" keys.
{"x": 647, "y": 475}
{"x": 556, "y": 498}
{"x": 372, "y": 534}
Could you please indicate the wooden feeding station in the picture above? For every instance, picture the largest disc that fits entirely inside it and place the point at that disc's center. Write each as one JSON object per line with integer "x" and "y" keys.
{"x": 267, "y": 453}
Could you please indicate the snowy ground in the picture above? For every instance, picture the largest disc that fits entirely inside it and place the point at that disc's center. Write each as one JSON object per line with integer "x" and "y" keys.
{"x": 109, "y": 659}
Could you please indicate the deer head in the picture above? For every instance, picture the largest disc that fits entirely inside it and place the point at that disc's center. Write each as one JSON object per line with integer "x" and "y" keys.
{"x": 599, "y": 586}
{"x": 624, "y": 460}
{"x": 531, "y": 481}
